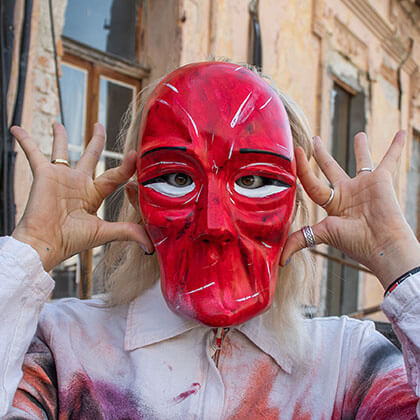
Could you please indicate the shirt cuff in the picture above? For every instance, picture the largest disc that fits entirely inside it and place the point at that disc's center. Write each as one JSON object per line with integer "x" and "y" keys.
{"x": 25, "y": 266}
{"x": 403, "y": 299}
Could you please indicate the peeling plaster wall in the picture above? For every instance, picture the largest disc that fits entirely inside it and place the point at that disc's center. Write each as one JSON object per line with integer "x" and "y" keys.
{"x": 41, "y": 101}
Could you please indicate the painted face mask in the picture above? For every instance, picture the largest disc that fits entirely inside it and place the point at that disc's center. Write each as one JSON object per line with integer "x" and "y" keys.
{"x": 217, "y": 184}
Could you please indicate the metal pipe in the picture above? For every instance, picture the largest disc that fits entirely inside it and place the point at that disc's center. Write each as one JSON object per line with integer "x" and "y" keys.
{"x": 255, "y": 43}
{"x": 6, "y": 53}
{"x": 57, "y": 77}
{"x": 17, "y": 112}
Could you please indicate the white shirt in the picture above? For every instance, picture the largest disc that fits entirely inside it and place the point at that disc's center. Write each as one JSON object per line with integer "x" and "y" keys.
{"x": 140, "y": 361}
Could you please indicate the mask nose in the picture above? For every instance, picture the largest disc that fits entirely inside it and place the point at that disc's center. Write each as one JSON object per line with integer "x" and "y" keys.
{"x": 216, "y": 222}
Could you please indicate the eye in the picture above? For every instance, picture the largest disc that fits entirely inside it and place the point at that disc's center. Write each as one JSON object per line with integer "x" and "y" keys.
{"x": 250, "y": 181}
{"x": 172, "y": 185}
{"x": 258, "y": 186}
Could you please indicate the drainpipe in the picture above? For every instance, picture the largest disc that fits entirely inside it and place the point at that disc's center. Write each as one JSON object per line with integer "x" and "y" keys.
{"x": 7, "y": 10}
{"x": 255, "y": 43}
{"x": 8, "y": 155}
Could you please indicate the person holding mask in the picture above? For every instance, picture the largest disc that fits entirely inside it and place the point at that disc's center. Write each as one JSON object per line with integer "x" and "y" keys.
{"x": 218, "y": 153}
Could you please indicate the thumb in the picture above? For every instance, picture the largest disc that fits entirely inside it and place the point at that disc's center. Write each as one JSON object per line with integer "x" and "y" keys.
{"x": 125, "y": 231}
{"x": 296, "y": 241}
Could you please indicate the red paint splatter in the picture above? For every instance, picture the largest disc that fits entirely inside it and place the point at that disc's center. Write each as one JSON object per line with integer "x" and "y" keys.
{"x": 255, "y": 402}
{"x": 195, "y": 387}
{"x": 390, "y": 397}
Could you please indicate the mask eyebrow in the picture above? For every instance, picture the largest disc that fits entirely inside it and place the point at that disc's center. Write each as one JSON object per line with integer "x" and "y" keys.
{"x": 184, "y": 149}
{"x": 264, "y": 152}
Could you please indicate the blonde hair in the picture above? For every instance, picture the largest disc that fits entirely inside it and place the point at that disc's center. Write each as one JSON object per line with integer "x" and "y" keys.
{"x": 128, "y": 272}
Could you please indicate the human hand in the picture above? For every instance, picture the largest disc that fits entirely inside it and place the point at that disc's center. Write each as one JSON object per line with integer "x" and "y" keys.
{"x": 60, "y": 216}
{"x": 364, "y": 218}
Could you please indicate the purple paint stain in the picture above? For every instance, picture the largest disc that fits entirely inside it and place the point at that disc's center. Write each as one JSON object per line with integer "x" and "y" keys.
{"x": 195, "y": 387}
{"x": 86, "y": 399}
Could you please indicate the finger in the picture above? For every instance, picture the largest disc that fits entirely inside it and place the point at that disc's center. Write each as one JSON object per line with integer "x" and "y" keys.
{"x": 317, "y": 190}
{"x": 132, "y": 191}
{"x": 112, "y": 178}
{"x": 362, "y": 152}
{"x": 60, "y": 143}
{"x": 33, "y": 154}
{"x": 87, "y": 163}
{"x": 327, "y": 163}
{"x": 296, "y": 241}
{"x": 392, "y": 156}
{"x": 125, "y": 231}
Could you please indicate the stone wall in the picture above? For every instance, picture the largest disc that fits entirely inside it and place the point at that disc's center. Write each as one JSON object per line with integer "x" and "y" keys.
{"x": 41, "y": 107}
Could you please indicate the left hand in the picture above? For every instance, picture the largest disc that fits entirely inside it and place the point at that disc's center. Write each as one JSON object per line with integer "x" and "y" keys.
{"x": 364, "y": 218}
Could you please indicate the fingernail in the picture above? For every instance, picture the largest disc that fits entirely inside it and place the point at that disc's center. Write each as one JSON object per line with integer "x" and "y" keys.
{"x": 146, "y": 251}
{"x": 287, "y": 261}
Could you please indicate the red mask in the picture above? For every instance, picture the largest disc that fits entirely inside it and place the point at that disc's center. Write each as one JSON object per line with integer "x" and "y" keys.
{"x": 217, "y": 181}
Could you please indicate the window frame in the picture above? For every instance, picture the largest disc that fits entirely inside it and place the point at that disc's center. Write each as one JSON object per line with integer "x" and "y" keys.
{"x": 99, "y": 64}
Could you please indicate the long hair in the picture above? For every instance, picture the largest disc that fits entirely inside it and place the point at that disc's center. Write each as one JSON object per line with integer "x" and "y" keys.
{"x": 128, "y": 272}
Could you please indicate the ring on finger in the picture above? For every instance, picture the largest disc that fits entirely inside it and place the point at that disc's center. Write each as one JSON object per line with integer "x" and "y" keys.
{"x": 330, "y": 198}
{"x": 61, "y": 162}
{"x": 309, "y": 236}
{"x": 364, "y": 170}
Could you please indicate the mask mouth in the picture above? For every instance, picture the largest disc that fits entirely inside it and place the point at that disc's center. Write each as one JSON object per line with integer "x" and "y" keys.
{"x": 227, "y": 284}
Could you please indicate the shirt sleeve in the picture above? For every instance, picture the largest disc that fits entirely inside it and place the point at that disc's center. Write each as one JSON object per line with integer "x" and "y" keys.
{"x": 378, "y": 387}
{"x": 402, "y": 307}
{"x": 24, "y": 288}
{"x": 36, "y": 396}
{"x": 384, "y": 385}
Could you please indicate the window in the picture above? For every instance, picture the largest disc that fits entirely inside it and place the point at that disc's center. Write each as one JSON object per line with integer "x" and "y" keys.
{"x": 106, "y": 25}
{"x": 100, "y": 77}
{"x": 348, "y": 117}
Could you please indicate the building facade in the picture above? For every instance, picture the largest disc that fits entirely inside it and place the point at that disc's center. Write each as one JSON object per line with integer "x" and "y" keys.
{"x": 350, "y": 64}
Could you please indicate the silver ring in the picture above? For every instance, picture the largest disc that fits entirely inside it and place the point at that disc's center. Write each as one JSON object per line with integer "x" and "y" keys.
{"x": 330, "y": 198}
{"x": 61, "y": 162}
{"x": 309, "y": 236}
{"x": 364, "y": 170}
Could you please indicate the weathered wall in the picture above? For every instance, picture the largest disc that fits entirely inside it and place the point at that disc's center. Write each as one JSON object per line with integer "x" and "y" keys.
{"x": 41, "y": 107}
{"x": 370, "y": 46}
{"x": 162, "y": 43}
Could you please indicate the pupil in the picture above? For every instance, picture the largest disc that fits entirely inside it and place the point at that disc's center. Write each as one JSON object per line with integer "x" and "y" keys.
{"x": 248, "y": 180}
{"x": 180, "y": 179}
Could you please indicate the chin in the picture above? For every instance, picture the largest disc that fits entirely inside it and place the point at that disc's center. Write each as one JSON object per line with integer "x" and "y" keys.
{"x": 217, "y": 307}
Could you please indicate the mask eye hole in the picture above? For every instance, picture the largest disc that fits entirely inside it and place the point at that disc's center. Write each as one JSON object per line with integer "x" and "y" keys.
{"x": 259, "y": 186}
{"x": 250, "y": 181}
{"x": 175, "y": 184}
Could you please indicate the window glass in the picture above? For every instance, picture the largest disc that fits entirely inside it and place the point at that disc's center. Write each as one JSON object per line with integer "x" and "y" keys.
{"x": 107, "y": 25}
{"x": 114, "y": 99}
{"x": 347, "y": 119}
{"x": 73, "y": 87}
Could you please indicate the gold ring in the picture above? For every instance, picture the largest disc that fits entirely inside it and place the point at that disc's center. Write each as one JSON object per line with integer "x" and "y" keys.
{"x": 61, "y": 162}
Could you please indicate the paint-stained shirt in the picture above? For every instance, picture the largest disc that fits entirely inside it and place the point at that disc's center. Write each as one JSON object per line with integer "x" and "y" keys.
{"x": 85, "y": 360}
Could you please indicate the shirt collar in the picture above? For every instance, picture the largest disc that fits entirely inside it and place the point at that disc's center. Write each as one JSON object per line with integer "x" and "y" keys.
{"x": 150, "y": 321}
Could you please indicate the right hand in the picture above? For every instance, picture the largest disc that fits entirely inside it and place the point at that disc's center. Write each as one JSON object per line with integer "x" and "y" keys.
{"x": 60, "y": 216}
